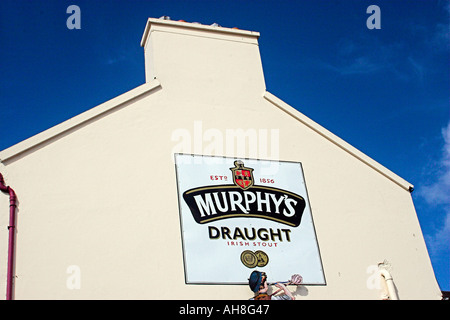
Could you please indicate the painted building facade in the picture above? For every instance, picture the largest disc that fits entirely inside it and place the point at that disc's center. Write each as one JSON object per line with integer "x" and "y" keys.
{"x": 102, "y": 200}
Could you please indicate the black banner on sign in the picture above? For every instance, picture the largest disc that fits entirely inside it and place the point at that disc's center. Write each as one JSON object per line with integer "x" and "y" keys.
{"x": 211, "y": 203}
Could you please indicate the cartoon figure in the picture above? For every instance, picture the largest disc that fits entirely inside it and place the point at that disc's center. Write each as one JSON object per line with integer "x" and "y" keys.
{"x": 258, "y": 284}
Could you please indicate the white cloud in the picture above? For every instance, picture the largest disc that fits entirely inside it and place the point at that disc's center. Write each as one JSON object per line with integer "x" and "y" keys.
{"x": 418, "y": 69}
{"x": 441, "y": 239}
{"x": 440, "y": 39}
{"x": 358, "y": 65}
{"x": 437, "y": 194}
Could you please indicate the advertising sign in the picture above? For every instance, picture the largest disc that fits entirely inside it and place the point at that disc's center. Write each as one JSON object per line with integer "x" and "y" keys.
{"x": 239, "y": 215}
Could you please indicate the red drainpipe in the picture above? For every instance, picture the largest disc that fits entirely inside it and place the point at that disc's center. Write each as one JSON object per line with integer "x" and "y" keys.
{"x": 11, "y": 228}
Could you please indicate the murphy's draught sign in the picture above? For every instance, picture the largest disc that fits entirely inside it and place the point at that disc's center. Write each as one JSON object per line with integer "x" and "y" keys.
{"x": 238, "y": 215}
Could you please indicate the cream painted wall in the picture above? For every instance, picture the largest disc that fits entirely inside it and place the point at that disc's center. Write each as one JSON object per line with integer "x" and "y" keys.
{"x": 101, "y": 194}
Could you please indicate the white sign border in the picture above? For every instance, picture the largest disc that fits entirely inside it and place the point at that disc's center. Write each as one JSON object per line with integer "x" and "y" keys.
{"x": 179, "y": 197}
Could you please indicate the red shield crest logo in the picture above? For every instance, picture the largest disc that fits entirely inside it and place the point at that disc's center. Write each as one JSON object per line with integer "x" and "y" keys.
{"x": 242, "y": 176}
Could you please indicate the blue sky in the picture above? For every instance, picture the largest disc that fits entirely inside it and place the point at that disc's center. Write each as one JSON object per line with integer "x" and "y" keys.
{"x": 385, "y": 91}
